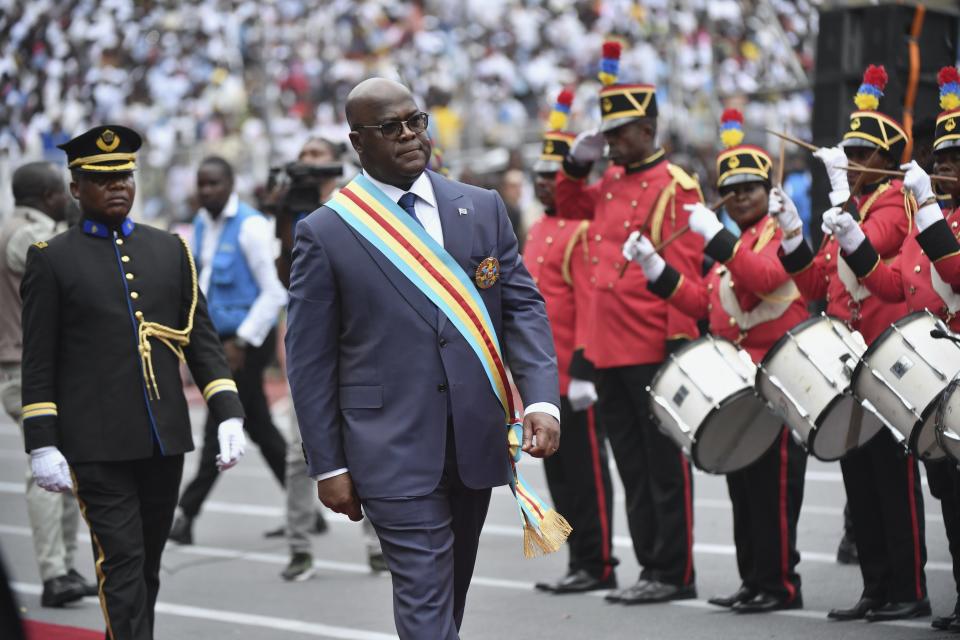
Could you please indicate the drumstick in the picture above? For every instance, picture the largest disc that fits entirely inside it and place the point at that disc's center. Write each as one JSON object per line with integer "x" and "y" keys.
{"x": 888, "y": 172}
{"x": 780, "y": 168}
{"x": 682, "y": 230}
{"x": 796, "y": 141}
{"x": 860, "y": 180}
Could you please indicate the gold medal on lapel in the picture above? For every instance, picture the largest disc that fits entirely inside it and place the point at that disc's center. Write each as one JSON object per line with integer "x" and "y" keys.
{"x": 488, "y": 272}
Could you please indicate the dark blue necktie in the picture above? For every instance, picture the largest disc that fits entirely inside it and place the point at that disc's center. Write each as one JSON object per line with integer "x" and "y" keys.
{"x": 407, "y": 202}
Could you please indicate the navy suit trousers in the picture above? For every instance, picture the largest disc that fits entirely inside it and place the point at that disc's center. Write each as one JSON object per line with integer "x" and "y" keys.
{"x": 430, "y": 545}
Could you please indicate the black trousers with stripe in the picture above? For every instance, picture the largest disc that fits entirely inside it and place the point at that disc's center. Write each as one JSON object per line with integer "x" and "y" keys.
{"x": 944, "y": 481}
{"x": 129, "y": 508}
{"x": 766, "y": 498}
{"x": 656, "y": 476}
{"x": 578, "y": 477}
{"x": 886, "y": 505}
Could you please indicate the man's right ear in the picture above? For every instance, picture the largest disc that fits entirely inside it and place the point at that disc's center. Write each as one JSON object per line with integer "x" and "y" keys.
{"x": 355, "y": 141}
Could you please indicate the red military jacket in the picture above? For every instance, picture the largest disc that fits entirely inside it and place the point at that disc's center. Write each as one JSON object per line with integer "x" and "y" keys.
{"x": 631, "y": 325}
{"x": 908, "y": 278}
{"x": 886, "y": 217}
{"x": 756, "y": 275}
{"x": 554, "y": 256}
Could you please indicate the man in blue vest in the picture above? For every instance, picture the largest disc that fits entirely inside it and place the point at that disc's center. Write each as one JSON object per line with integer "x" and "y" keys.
{"x": 234, "y": 249}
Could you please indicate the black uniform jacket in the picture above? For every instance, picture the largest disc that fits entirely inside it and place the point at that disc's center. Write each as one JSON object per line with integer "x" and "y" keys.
{"x": 85, "y": 389}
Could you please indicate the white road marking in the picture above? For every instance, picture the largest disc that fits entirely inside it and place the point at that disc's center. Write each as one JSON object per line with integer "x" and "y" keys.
{"x": 246, "y": 619}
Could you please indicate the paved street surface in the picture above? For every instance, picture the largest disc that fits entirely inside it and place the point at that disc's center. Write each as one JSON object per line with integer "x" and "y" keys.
{"x": 228, "y": 585}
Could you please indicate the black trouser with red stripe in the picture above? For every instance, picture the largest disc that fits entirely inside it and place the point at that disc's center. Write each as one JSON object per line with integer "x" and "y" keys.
{"x": 766, "y": 499}
{"x": 656, "y": 476}
{"x": 944, "y": 481}
{"x": 886, "y": 504}
{"x": 578, "y": 477}
{"x": 129, "y": 507}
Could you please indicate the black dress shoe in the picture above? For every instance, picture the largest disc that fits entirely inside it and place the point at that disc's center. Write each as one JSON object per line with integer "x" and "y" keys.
{"x": 942, "y": 623}
{"x": 182, "y": 530}
{"x": 858, "y": 611}
{"x": 742, "y": 594}
{"x": 955, "y": 625}
{"x": 627, "y": 592}
{"x": 89, "y": 588}
{"x": 660, "y": 592}
{"x": 767, "y": 602}
{"x": 60, "y": 591}
{"x": 581, "y": 581}
{"x": 900, "y": 611}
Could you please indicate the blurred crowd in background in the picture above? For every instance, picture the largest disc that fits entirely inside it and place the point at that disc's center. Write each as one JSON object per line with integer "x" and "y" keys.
{"x": 251, "y": 80}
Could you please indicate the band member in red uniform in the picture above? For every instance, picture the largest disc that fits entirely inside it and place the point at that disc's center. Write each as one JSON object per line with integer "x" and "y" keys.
{"x": 883, "y": 485}
{"x": 579, "y": 476}
{"x": 926, "y": 275}
{"x": 633, "y": 328}
{"x": 750, "y": 300}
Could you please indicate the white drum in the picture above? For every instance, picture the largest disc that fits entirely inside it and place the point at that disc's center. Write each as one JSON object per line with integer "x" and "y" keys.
{"x": 948, "y": 420}
{"x": 903, "y": 373}
{"x": 704, "y": 400}
{"x": 805, "y": 379}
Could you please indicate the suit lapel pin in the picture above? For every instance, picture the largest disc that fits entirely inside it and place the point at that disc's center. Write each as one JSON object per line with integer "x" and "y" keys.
{"x": 487, "y": 273}
{"x": 462, "y": 211}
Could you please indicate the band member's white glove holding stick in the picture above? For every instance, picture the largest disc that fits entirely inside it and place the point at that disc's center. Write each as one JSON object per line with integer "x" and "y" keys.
{"x": 782, "y": 209}
{"x": 639, "y": 249}
{"x": 833, "y": 158}
{"x": 844, "y": 228}
{"x": 918, "y": 183}
{"x": 703, "y": 221}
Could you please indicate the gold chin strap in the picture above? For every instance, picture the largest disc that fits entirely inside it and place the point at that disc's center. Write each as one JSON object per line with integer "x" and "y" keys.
{"x": 175, "y": 339}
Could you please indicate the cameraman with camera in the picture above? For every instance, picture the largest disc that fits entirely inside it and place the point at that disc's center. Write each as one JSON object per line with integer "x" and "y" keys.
{"x": 306, "y": 185}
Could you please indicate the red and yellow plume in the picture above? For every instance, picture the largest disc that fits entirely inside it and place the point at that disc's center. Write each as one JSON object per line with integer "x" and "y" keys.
{"x": 949, "y": 81}
{"x": 561, "y": 111}
{"x": 610, "y": 62}
{"x": 731, "y": 128}
{"x": 869, "y": 94}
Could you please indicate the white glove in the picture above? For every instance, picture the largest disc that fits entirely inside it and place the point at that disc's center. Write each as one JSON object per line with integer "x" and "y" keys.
{"x": 703, "y": 221}
{"x": 917, "y": 181}
{"x": 783, "y": 210}
{"x": 588, "y": 147}
{"x": 639, "y": 249}
{"x": 581, "y": 394}
{"x": 232, "y": 443}
{"x": 833, "y": 158}
{"x": 50, "y": 470}
{"x": 844, "y": 228}
{"x": 829, "y": 219}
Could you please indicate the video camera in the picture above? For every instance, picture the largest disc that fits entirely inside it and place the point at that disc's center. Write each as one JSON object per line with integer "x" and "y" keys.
{"x": 303, "y": 186}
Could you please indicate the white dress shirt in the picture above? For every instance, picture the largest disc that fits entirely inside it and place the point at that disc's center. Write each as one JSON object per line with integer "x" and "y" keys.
{"x": 429, "y": 216}
{"x": 256, "y": 241}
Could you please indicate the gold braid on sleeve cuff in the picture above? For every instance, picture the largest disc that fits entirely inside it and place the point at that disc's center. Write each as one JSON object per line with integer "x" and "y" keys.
{"x": 175, "y": 339}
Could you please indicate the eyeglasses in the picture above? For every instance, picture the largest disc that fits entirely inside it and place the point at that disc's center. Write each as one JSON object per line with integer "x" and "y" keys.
{"x": 393, "y": 129}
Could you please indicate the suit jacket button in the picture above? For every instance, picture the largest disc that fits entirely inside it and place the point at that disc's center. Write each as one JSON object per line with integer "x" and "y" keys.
{"x": 443, "y": 342}
{"x": 441, "y": 388}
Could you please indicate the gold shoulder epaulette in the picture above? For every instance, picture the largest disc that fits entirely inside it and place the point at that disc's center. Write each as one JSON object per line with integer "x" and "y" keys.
{"x": 682, "y": 178}
{"x": 40, "y": 245}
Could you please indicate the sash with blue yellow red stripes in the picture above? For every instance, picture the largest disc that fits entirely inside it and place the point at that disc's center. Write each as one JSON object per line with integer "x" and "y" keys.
{"x": 381, "y": 221}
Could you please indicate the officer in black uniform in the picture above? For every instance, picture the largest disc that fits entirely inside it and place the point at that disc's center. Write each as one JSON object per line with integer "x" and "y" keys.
{"x": 110, "y": 309}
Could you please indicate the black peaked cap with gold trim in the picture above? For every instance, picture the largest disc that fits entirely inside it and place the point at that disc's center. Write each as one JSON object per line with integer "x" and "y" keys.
{"x": 947, "y": 132}
{"x": 870, "y": 127}
{"x": 556, "y": 141}
{"x": 621, "y": 104}
{"x": 739, "y": 163}
{"x": 105, "y": 149}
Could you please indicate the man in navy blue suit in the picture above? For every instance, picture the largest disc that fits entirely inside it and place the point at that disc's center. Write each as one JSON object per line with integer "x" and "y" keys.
{"x": 396, "y": 411}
